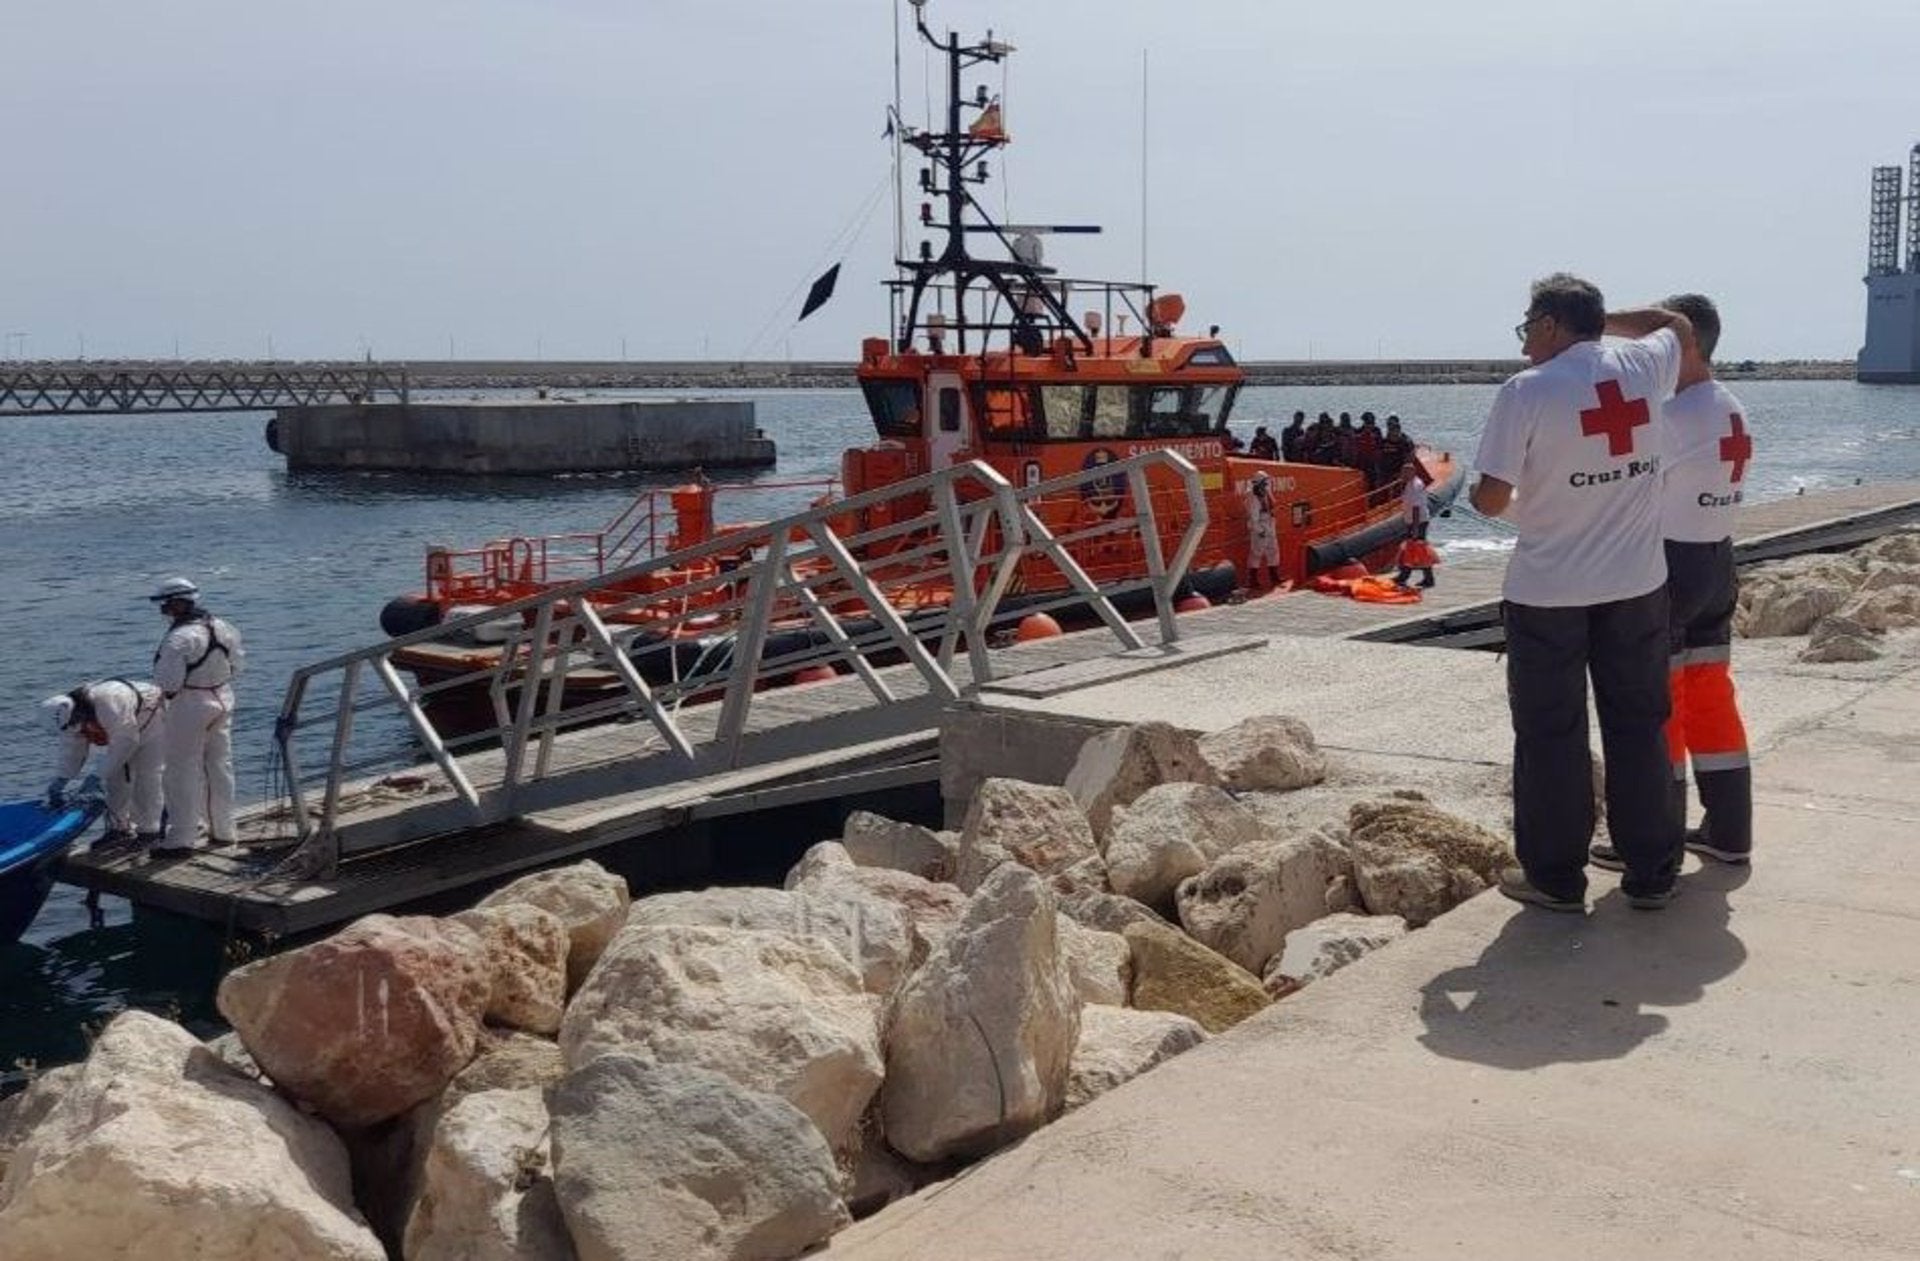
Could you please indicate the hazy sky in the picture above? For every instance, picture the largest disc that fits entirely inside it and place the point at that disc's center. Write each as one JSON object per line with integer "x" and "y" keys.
{"x": 1339, "y": 179}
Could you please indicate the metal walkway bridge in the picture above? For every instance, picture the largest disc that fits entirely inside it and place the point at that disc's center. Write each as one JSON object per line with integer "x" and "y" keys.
{"x": 122, "y": 388}
{"x": 679, "y": 688}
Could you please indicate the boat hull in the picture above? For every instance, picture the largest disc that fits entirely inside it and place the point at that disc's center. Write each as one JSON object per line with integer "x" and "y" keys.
{"x": 33, "y": 839}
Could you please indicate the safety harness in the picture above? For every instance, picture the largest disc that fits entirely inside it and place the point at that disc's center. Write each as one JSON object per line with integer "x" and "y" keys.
{"x": 214, "y": 645}
{"x": 87, "y": 718}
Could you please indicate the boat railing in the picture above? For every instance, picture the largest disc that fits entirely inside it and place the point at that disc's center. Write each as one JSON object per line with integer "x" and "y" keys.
{"x": 644, "y": 678}
{"x": 649, "y": 525}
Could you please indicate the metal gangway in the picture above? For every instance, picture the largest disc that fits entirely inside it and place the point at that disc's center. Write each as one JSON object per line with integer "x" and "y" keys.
{"x": 115, "y": 389}
{"x": 693, "y": 670}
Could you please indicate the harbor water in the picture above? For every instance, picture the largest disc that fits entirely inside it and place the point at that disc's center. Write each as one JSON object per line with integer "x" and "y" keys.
{"x": 94, "y": 511}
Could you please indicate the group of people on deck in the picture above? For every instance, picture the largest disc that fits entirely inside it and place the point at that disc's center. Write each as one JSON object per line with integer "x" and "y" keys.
{"x": 1377, "y": 454}
{"x": 167, "y": 745}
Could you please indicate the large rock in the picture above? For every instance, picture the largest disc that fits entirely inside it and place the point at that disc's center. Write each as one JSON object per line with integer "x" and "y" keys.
{"x": 1327, "y": 945}
{"x": 773, "y": 1013}
{"x": 1418, "y": 862}
{"x": 369, "y": 1022}
{"x": 931, "y": 907}
{"x": 1100, "y": 964}
{"x": 869, "y": 933}
{"x": 155, "y": 1149}
{"x": 590, "y": 900}
{"x": 1106, "y": 912}
{"x": 1792, "y": 607}
{"x": 872, "y": 840}
{"x": 1889, "y": 608}
{"x": 1116, "y": 766}
{"x": 1036, "y": 825}
{"x": 653, "y": 1161}
{"x": 1882, "y": 575}
{"x": 983, "y": 1033}
{"x": 1840, "y": 638}
{"x": 1900, "y": 547}
{"x": 1172, "y": 972}
{"x": 1265, "y": 753}
{"x": 1171, "y": 832}
{"x": 1246, "y": 903}
{"x": 20, "y": 1113}
{"x": 818, "y": 860}
{"x": 509, "y": 1061}
{"x": 487, "y": 1189}
{"x": 527, "y": 950}
{"x": 1117, "y": 1045}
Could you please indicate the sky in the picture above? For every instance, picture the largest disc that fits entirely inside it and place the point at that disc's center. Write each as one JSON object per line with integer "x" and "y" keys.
{"x": 659, "y": 179}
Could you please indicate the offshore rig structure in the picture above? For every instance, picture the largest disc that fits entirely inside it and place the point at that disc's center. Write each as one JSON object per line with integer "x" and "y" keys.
{"x": 1891, "y": 353}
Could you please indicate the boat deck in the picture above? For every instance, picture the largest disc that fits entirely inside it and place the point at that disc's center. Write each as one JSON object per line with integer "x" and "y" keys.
{"x": 829, "y": 740}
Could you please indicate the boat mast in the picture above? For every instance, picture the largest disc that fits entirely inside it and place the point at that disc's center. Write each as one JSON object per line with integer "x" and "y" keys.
{"x": 1034, "y": 309}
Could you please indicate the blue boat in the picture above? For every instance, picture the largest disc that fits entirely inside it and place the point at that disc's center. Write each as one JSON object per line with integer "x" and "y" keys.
{"x": 32, "y": 840}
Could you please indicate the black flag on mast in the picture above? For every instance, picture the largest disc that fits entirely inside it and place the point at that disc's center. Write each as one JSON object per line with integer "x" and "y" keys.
{"x": 821, "y": 291}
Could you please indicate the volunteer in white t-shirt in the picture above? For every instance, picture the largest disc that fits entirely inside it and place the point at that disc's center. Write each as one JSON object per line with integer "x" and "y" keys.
{"x": 1708, "y": 450}
{"x": 1571, "y": 455}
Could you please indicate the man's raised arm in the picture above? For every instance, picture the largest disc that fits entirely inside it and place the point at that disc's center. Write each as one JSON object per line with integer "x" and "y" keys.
{"x": 1647, "y": 320}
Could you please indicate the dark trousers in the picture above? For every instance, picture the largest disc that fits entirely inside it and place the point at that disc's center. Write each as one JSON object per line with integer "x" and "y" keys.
{"x": 1550, "y": 654}
{"x": 1706, "y": 727}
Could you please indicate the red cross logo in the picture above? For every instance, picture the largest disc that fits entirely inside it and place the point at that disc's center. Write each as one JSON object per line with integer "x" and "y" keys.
{"x": 1737, "y": 447}
{"x": 1616, "y": 417}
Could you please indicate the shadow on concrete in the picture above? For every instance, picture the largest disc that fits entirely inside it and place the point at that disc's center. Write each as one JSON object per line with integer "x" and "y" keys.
{"x": 1555, "y": 989}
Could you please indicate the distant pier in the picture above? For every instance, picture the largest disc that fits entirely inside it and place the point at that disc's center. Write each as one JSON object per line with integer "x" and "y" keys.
{"x": 521, "y": 436}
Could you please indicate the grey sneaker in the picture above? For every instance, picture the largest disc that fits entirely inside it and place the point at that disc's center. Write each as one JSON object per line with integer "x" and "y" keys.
{"x": 1514, "y": 884}
{"x": 1606, "y": 857}
{"x": 1697, "y": 843}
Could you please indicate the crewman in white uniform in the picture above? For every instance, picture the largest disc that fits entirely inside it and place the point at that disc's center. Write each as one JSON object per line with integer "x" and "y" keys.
{"x": 124, "y": 718}
{"x": 1263, "y": 533}
{"x": 195, "y": 666}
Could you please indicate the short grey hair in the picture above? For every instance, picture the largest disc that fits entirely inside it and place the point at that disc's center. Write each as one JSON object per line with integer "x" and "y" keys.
{"x": 1703, "y": 315}
{"x": 1574, "y": 304}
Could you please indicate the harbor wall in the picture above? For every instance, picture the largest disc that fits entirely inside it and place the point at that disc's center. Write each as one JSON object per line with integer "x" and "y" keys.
{"x": 522, "y": 436}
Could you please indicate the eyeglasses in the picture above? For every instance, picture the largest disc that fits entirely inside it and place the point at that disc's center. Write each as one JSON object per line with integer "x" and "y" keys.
{"x": 1520, "y": 329}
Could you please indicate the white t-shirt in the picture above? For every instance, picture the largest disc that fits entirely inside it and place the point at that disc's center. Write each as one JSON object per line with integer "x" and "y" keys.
{"x": 1577, "y": 438}
{"x": 1413, "y": 499}
{"x": 1708, "y": 449}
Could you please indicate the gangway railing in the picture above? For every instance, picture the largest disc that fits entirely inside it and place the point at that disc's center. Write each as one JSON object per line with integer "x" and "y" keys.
{"x": 644, "y": 676}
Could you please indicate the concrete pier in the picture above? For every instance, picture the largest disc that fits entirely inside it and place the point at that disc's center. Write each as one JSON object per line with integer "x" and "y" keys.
{"x": 1730, "y": 1077}
{"x": 525, "y": 436}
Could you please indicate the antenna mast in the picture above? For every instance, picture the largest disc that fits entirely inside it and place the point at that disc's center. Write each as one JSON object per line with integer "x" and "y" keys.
{"x": 1143, "y": 166}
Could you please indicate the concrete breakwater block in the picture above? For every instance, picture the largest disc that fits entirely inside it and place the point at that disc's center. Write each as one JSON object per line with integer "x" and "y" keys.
{"x": 521, "y": 436}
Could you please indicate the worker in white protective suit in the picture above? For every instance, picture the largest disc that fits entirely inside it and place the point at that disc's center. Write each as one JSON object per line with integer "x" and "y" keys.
{"x": 195, "y": 666}
{"x": 1263, "y": 533}
{"x": 124, "y": 718}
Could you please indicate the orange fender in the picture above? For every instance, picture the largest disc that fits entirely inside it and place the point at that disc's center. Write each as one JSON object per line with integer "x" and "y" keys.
{"x": 1418, "y": 554}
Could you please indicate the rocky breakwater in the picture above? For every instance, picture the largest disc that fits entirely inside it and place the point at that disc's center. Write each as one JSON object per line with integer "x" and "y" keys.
{"x": 733, "y": 1073}
{"x": 1851, "y": 606}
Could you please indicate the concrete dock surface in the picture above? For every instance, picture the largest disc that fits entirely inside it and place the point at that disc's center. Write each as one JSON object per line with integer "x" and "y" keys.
{"x": 1733, "y": 1077}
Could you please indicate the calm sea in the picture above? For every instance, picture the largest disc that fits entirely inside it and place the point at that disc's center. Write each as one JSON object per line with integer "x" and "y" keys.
{"x": 95, "y": 510}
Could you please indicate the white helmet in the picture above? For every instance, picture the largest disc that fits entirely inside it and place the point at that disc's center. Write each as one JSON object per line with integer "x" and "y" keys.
{"x": 175, "y": 589}
{"x": 1259, "y": 476}
{"x": 57, "y": 711}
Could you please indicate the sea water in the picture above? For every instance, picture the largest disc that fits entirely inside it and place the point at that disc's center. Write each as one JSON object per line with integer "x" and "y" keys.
{"x": 94, "y": 511}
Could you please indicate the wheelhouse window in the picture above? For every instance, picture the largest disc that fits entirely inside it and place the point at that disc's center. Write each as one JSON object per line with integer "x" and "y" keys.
{"x": 895, "y": 406}
{"x": 1210, "y": 356}
{"x": 1103, "y": 413}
